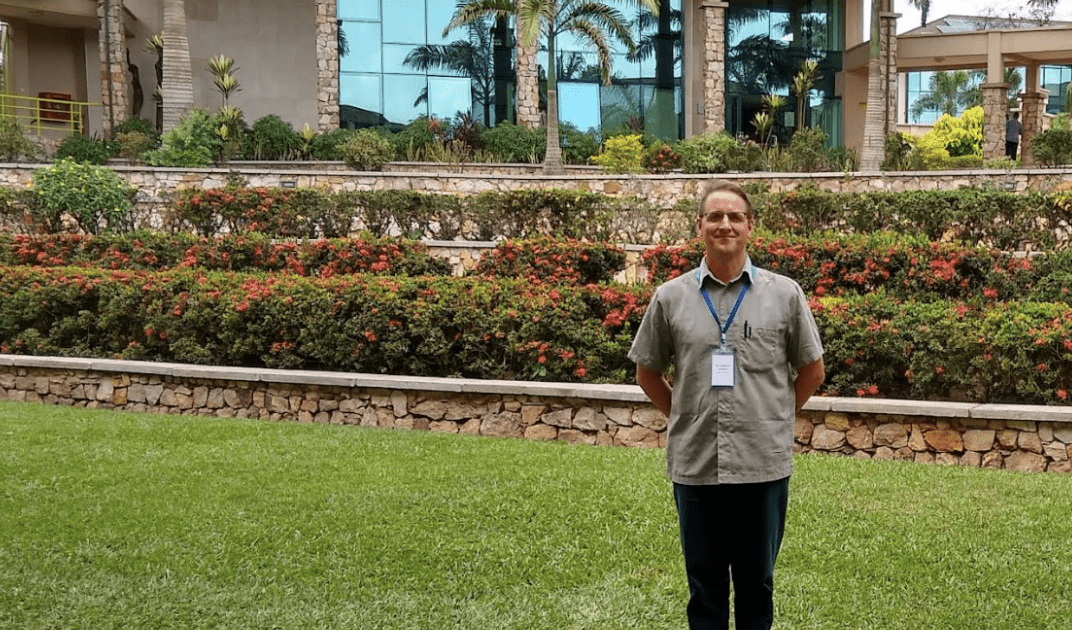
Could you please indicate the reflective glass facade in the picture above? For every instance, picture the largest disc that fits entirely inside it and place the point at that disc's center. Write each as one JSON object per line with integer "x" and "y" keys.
{"x": 918, "y": 85}
{"x": 395, "y": 65}
{"x": 767, "y": 41}
{"x": 1056, "y": 79}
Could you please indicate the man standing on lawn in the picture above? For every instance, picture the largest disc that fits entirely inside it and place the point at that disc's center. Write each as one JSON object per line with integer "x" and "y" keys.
{"x": 746, "y": 356}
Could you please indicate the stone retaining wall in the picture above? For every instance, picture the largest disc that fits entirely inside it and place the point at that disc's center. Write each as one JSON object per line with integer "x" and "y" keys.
{"x": 995, "y": 436}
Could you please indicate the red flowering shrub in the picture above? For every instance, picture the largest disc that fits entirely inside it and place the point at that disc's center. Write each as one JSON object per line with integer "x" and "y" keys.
{"x": 553, "y": 261}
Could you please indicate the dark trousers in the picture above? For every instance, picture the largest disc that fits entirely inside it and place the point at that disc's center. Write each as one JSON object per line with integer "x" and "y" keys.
{"x": 1010, "y": 149}
{"x": 731, "y": 530}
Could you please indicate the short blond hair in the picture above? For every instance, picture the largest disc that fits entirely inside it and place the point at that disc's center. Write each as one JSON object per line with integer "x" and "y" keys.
{"x": 713, "y": 186}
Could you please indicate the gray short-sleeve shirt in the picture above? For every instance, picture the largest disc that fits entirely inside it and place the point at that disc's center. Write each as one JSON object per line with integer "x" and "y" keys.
{"x": 743, "y": 434}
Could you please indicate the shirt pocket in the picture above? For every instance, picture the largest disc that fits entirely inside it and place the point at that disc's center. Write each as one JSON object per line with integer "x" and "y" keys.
{"x": 760, "y": 350}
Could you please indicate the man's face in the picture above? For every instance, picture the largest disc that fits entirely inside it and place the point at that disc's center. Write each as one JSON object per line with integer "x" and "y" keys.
{"x": 725, "y": 225}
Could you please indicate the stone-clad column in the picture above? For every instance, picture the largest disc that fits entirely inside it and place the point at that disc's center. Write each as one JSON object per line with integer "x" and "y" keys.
{"x": 528, "y": 83}
{"x": 112, "y": 46}
{"x": 1032, "y": 116}
{"x": 327, "y": 65}
{"x": 995, "y": 109}
{"x": 714, "y": 65}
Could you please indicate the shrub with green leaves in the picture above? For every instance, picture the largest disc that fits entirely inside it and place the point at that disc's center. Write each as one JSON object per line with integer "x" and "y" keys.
{"x": 578, "y": 146}
{"x": 707, "y": 152}
{"x": 193, "y": 143}
{"x": 960, "y": 135}
{"x": 86, "y": 150}
{"x": 516, "y": 144}
{"x": 621, "y": 154}
{"x": 660, "y": 157}
{"x": 133, "y": 145}
{"x": 1053, "y": 147}
{"x": 807, "y": 150}
{"x": 139, "y": 125}
{"x": 92, "y": 195}
{"x": 14, "y": 145}
{"x": 366, "y": 150}
{"x": 325, "y": 146}
{"x": 271, "y": 138}
{"x": 417, "y": 139}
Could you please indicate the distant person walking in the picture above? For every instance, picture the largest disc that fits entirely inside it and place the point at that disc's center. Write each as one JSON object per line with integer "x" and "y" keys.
{"x": 1012, "y": 135}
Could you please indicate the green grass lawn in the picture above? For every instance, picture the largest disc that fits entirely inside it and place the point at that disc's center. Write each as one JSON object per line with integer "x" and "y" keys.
{"x": 111, "y": 520}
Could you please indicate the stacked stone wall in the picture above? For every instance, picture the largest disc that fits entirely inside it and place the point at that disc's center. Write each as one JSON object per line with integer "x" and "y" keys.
{"x": 981, "y": 436}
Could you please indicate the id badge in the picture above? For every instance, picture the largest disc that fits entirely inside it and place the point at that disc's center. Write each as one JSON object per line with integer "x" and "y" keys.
{"x": 723, "y": 367}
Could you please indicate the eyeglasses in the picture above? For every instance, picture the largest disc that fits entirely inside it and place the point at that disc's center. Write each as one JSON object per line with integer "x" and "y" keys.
{"x": 736, "y": 218}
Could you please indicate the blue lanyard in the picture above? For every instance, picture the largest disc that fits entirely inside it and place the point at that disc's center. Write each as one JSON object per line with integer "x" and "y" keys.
{"x": 723, "y": 329}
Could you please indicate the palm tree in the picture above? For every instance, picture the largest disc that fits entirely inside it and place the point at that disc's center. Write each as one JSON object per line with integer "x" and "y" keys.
{"x": 949, "y": 93}
{"x": 924, "y": 7}
{"x": 471, "y": 57}
{"x": 177, "y": 87}
{"x": 588, "y": 20}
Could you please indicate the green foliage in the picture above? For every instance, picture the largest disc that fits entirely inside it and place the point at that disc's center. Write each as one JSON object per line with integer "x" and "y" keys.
{"x": 1003, "y": 163}
{"x": 325, "y": 146}
{"x": 516, "y": 144}
{"x": 578, "y": 146}
{"x": 622, "y": 154}
{"x": 415, "y": 141}
{"x": 807, "y": 150}
{"x": 271, "y": 138}
{"x": 139, "y": 125}
{"x": 898, "y": 148}
{"x": 1052, "y": 147}
{"x": 133, "y": 145}
{"x": 366, "y": 150}
{"x": 14, "y": 145}
{"x": 20, "y": 212}
{"x": 706, "y": 153}
{"x": 90, "y": 194}
{"x": 86, "y": 150}
{"x": 193, "y": 143}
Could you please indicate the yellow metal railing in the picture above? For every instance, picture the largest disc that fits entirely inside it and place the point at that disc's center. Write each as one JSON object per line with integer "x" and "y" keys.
{"x": 47, "y": 113}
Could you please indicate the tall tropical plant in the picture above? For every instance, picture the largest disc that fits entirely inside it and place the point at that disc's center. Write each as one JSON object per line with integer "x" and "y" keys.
{"x": 874, "y": 145}
{"x": 590, "y": 21}
{"x": 177, "y": 87}
{"x": 924, "y": 7}
{"x": 803, "y": 82}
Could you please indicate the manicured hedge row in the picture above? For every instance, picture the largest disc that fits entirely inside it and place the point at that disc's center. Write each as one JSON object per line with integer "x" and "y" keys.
{"x": 153, "y": 251}
{"x": 1017, "y": 352}
{"x": 985, "y": 216}
{"x": 909, "y": 268}
{"x": 554, "y": 261}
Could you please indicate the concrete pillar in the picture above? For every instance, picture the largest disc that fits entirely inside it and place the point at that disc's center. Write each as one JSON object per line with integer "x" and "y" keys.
{"x": 528, "y": 83}
{"x": 327, "y": 65}
{"x": 1032, "y": 116}
{"x": 714, "y": 65}
{"x": 995, "y": 114}
{"x": 112, "y": 40}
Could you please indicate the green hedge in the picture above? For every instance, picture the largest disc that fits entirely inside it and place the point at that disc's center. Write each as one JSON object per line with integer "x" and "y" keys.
{"x": 876, "y": 344}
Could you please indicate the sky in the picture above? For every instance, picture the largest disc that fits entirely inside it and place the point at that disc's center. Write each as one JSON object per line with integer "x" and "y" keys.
{"x": 940, "y": 8}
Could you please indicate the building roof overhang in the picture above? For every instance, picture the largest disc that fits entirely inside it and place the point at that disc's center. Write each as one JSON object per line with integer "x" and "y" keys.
{"x": 971, "y": 50}
{"x": 60, "y": 13}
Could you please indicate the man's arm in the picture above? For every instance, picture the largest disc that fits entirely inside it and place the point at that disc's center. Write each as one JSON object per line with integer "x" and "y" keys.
{"x": 809, "y": 378}
{"x": 656, "y": 387}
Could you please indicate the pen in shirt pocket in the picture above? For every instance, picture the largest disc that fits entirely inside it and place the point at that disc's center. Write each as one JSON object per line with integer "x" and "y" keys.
{"x": 747, "y": 330}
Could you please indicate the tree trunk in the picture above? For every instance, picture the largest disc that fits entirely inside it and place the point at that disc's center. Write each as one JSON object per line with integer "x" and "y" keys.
{"x": 178, "y": 83}
{"x": 874, "y": 149}
{"x": 552, "y": 160}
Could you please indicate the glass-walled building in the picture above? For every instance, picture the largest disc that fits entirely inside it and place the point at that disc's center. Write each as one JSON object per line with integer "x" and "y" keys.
{"x": 925, "y": 97}
{"x": 396, "y": 65}
{"x": 767, "y": 42}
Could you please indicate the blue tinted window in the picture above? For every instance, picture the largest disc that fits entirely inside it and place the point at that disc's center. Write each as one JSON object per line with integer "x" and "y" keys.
{"x": 364, "y": 92}
{"x": 402, "y": 95}
{"x": 358, "y": 9}
{"x": 363, "y": 41}
{"x": 439, "y": 15}
{"x": 394, "y": 59}
{"x": 448, "y": 95}
{"x": 578, "y": 103}
{"x": 403, "y": 21}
